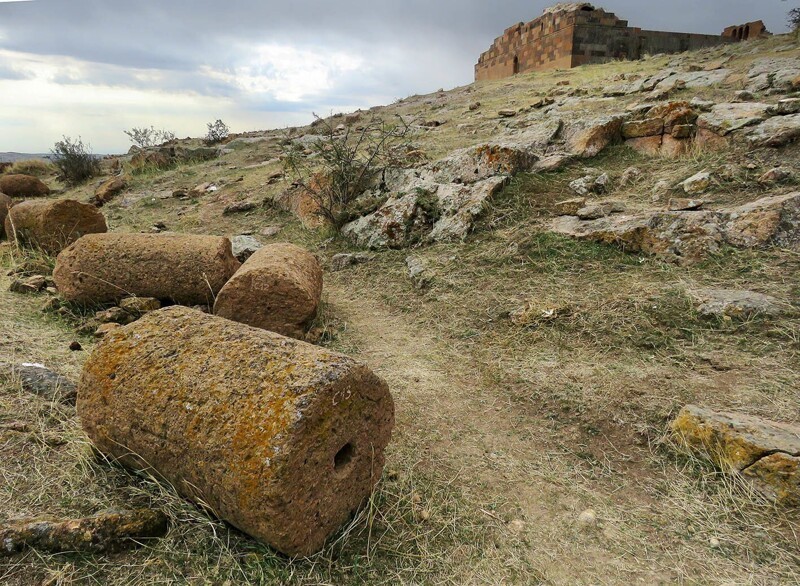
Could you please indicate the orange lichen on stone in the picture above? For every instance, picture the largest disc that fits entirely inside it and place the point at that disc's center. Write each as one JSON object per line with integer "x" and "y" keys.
{"x": 280, "y": 438}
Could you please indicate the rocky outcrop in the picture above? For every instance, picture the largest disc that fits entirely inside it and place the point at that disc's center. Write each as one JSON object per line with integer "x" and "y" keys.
{"x": 278, "y": 288}
{"x": 109, "y": 531}
{"x": 185, "y": 269}
{"x": 109, "y": 189}
{"x": 52, "y": 225}
{"x": 282, "y": 439}
{"x": 765, "y": 453}
{"x": 725, "y": 118}
{"x": 775, "y": 132}
{"x": 23, "y": 186}
{"x": 689, "y": 236}
{"x": 587, "y": 138}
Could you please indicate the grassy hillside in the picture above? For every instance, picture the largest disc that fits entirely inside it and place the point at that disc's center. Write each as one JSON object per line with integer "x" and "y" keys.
{"x": 534, "y": 375}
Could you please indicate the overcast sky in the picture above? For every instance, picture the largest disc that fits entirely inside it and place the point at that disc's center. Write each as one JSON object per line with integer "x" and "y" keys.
{"x": 96, "y": 67}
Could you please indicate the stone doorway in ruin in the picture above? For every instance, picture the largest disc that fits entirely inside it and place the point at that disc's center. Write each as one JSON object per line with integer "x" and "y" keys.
{"x": 516, "y": 65}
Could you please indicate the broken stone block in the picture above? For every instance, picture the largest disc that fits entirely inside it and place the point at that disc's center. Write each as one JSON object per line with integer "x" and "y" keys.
{"x": 600, "y": 210}
{"x": 640, "y": 128}
{"x": 282, "y": 439}
{"x": 105, "y": 532}
{"x": 766, "y": 453}
{"x": 569, "y": 207}
{"x": 697, "y": 184}
{"x": 769, "y": 220}
{"x": 243, "y": 247}
{"x": 588, "y": 138}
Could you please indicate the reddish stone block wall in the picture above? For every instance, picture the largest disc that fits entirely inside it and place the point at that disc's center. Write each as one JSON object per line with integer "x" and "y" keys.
{"x": 744, "y": 32}
{"x": 578, "y": 36}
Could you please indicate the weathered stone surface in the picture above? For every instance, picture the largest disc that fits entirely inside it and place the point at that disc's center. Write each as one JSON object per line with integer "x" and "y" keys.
{"x": 244, "y": 246}
{"x": 185, "y": 269}
{"x": 103, "y": 329}
{"x": 588, "y": 138}
{"x": 697, "y": 183}
{"x": 391, "y": 226}
{"x": 552, "y": 163}
{"x": 460, "y": 206}
{"x": 114, "y": 315}
{"x": 776, "y": 175}
{"x": 52, "y": 225}
{"x": 140, "y": 305}
{"x": 591, "y": 183}
{"x": 279, "y": 289}
{"x": 765, "y": 452}
{"x": 569, "y": 207}
{"x": 770, "y": 73}
{"x": 683, "y": 237}
{"x": 735, "y": 303}
{"x": 32, "y": 284}
{"x": 109, "y": 189}
{"x": 40, "y": 380}
{"x": 673, "y": 114}
{"x": 341, "y": 261}
{"x": 785, "y": 107}
{"x": 17, "y": 185}
{"x": 769, "y": 220}
{"x": 600, "y": 210}
{"x": 725, "y": 118}
{"x": 694, "y": 79}
{"x": 640, "y": 128}
{"x": 239, "y": 208}
{"x": 775, "y": 132}
{"x": 5, "y": 205}
{"x": 105, "y": 532}
{"x": 648, "y": 145}
{"x": 282, "y": 439}
{"x": 673, "y": 147}
{"x": 679, "y": 204}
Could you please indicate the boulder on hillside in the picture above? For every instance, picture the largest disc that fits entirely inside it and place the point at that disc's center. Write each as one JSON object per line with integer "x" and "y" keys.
{"x": 52, "y": 225}
{"x": 775, "y": 132}
{"x": 185, "y": 269}
{"x": 282, "y": 439}
{"x": 769, "y": 220}
{"x": 764, "y": 452}
{"x": 725, "y": 118}
{"x": 278, "y": 288}
{"x": 17, "y": 185}
{"x": 109, "y": 189}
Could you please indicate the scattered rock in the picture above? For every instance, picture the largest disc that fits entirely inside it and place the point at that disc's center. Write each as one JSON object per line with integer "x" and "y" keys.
{"x": 105, "y": 532}
{"x": 725, "y": 118}
{"x": 52, "y": 225}
{"x": 300, "y": 431}
{"x": 115, "y": 315}
{"x": 418, "y": 271}
{"x": 641, "y": 128}
{"x": 104, "y": 268}
{"x": 270, "y": 231}
{"x": 775, "y": 132}
{"x": 507, "y": 113}
{"x": 139, "y": 305}
{"x": 743, "y": 96}
{"x": 569, "y": 207}
{"x": 697, "y": 184}
{"x": 279, "y": 289}
{"x": 75, "y": 346}
{"x": 776, "y": 175}
{"x": 677, "y": 204}
{"x": 590, "y": 184}
{"x": 587, "y": 518}
{"x": 600, "y": 210}
{"x": 764, "y": 452}
{"x": 109, "y": 189}
{"x": 769, "y": 220}
{"x": 23, "y": 186}
{"x": 343, "y": 260}
{"x": 202, "y": 189}
{"x": 735, "y": 303}
{"x": 103, "y": 329}
{"x": 238, "y": 208}
{"x": 39, "y": 380}
{"x": 33, "y": 284}
{"x": 474, "y": 106}
{"x": 244, "y": 246}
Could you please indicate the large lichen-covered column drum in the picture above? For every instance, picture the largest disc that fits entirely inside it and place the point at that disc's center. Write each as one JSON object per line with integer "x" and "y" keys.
{"x": 52, "y": 225}
{"x": 187, "y": 269}
{"x": 280, "y": 438}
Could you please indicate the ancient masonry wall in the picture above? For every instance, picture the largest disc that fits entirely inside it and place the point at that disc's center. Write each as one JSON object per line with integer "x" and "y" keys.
{"x": 580, "y": 36}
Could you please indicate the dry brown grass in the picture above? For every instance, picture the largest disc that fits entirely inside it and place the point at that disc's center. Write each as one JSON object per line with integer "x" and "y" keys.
{"x": 35, "y": 167}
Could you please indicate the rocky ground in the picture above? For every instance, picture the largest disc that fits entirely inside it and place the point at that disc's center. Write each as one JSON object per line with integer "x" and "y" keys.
{"x": 568, "y": 260}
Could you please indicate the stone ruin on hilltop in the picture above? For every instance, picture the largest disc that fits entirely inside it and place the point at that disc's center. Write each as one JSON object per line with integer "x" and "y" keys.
{"x": 571, "y": 34}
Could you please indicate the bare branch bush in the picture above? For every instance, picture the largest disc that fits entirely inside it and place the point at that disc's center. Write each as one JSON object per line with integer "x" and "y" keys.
{"x": 217, "y": 132}
{"x": 344, "y": 162}
{"x": 149, "y": 137}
